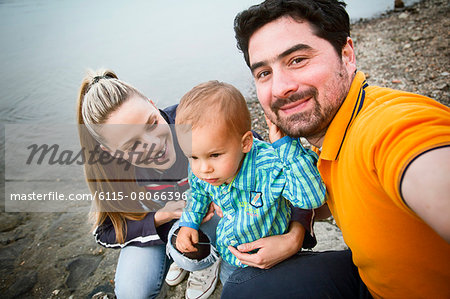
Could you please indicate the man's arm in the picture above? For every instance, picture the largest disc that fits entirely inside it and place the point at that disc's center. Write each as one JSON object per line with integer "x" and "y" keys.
{"x": 426, "y": 189}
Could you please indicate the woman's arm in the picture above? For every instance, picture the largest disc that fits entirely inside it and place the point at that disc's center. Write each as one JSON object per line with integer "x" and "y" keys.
{"x": 139, "y": 232}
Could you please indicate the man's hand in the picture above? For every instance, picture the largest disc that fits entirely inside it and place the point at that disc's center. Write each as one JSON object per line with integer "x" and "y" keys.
{"x": 186, "y": 239}
{"x": 172, "y": 210}
{"x": 274, "y": 132}
{"x": 272, "y": 250}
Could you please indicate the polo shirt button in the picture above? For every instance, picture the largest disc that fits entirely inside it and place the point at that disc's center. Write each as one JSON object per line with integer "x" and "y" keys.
{"x": 229, "y": 217}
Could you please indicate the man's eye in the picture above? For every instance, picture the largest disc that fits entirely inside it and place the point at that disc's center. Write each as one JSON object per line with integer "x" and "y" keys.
{"x": 297, "y": 60}
{"x": 262, "y": 74}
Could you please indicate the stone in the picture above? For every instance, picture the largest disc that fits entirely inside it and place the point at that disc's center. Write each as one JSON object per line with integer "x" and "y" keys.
{"x": 80, "y": 269}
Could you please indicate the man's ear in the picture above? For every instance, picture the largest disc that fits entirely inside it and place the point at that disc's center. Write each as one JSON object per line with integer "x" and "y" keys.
{"x": 247, "y": 142}
{"x": 348, "y": 56}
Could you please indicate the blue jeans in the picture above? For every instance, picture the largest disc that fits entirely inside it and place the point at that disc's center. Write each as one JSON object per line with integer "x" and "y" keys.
{"x": 329, "y": 274}
{"x": 226, "y": 270}
{"x": 141, "y": 271}
{"x": 195, "y": 265}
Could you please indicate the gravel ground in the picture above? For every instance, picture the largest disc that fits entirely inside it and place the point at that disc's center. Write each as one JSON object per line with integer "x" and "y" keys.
{"x": 52, "y": 255}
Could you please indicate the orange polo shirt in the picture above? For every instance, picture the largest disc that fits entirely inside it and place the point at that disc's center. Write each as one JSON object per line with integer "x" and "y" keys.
{"x": 373, "y": 137}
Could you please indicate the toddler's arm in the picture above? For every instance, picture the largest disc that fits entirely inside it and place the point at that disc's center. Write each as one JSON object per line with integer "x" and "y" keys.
{"x": 197, "y": 204}
{"x": 304, "y": 187}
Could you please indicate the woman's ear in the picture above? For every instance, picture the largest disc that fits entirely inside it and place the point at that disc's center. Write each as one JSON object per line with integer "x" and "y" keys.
{"x": 247, "y": 142}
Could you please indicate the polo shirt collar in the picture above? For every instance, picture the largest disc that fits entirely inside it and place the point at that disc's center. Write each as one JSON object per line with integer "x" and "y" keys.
{"x": 350, "y": 108}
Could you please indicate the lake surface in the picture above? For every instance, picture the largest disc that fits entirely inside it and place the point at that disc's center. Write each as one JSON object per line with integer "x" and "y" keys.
{"x": 163, "y": 48}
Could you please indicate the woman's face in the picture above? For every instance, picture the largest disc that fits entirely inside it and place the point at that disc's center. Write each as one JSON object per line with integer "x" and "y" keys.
{"x": 137, "y": 131}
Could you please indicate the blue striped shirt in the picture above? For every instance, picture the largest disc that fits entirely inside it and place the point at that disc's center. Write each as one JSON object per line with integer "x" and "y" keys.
{"x": 254, "y": 204}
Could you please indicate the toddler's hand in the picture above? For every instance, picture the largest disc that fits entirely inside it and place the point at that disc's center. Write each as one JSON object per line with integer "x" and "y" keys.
{"x": 274, "y": 132}
{"x": 186, "y": 239}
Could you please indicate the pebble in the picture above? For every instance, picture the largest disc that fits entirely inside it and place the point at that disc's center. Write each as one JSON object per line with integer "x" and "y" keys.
{"x": 403, "y": 15}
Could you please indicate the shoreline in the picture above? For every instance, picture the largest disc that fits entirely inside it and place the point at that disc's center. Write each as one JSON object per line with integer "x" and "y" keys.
{"x": 53, "y": 255}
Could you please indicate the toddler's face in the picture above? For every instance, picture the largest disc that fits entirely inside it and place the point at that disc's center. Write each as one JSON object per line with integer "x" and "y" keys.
{"x": 215, "y": 154}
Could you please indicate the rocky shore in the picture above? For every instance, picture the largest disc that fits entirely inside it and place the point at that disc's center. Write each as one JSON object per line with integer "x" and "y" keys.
{"x": 53, "y": 255}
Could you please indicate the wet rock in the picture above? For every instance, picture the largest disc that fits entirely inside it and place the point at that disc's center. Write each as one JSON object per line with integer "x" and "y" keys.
{"x": 9, "y": 221}
{"x": 80, "y": 269}
{"x": 23, "y": 284}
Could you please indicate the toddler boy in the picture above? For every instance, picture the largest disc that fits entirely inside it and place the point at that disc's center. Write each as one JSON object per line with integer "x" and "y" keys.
{"x": 248, "y": 179}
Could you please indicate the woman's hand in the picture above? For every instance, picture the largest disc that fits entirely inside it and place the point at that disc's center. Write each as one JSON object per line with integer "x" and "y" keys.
{"x": 273, "y": 249}
{"x": 172, "y": 210}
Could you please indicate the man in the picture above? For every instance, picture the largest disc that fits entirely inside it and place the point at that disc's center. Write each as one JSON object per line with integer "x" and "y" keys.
{"x": 384, "y": 157}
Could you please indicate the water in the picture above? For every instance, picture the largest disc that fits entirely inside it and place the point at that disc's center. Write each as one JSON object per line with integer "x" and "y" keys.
{"x": 161, "y": 47}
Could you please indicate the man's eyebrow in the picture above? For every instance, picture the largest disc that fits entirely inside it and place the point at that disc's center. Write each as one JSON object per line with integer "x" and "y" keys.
{"x": 297, "y": 47}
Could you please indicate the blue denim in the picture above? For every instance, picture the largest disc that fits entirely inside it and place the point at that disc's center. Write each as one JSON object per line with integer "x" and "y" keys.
{"x": 209, "y": 228}
{"x": 329, "y": 274}
{"x": 226, "y": 270}
{"x": 141, "y": 271}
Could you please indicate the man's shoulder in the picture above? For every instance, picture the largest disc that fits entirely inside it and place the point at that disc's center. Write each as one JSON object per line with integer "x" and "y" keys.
{"x": 382, "y": 97}
{"x": 385, "y": 105}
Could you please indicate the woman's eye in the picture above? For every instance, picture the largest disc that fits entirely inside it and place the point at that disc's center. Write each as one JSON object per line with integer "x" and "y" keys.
{"x": 150, "y": 127}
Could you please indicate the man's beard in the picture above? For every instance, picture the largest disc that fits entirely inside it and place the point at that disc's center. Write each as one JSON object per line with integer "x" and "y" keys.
{"x": 313, "y": 122}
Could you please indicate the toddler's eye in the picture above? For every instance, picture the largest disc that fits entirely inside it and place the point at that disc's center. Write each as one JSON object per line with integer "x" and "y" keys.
{"x": 215, "y": 155}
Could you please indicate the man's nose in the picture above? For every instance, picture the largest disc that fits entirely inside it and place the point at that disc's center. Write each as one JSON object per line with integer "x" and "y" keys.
{"x": 283, "y": 83}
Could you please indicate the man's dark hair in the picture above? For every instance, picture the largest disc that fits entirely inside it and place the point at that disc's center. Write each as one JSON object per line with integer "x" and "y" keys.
{"x": 328, "y": 18}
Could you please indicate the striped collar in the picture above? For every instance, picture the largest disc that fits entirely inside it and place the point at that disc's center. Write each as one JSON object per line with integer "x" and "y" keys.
{"x": 246, "y": 177}
{"x": 344, "y": 118}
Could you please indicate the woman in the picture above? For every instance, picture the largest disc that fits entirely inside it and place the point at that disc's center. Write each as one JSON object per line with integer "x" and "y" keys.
{"x": 148, "y": 165}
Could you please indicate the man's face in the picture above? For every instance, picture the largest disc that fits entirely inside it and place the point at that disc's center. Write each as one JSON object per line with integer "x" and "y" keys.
{"x": 300, "y": 79}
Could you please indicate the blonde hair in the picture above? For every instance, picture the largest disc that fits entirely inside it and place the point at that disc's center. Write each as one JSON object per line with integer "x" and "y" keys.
{"x": 215, "y": 101}
{"x": 101, "y": 93}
